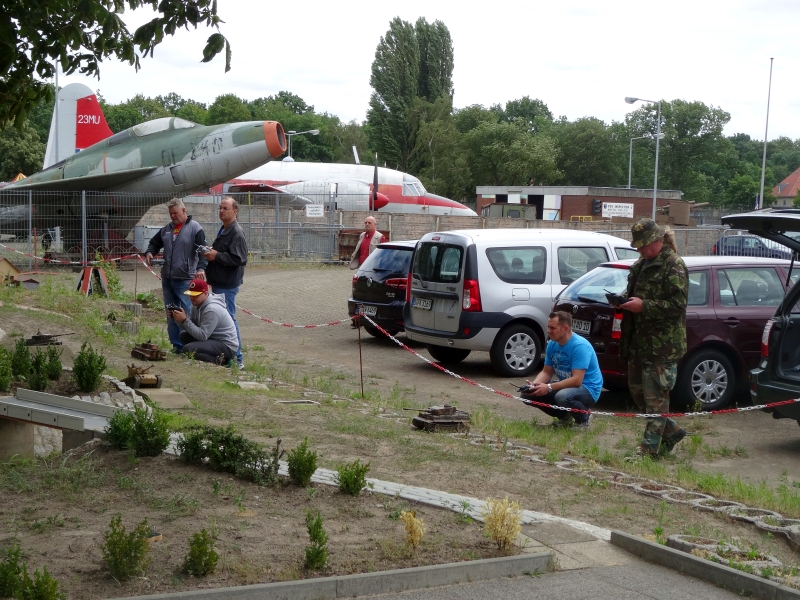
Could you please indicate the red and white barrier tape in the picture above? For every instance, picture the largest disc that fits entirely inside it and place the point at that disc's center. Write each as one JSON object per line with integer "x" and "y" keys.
{"x": 575, "y": 410}
{"x": 67, "y": 262}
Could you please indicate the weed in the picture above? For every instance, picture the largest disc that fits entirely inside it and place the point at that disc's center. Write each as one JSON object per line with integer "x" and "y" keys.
{"x": 310, "y": 492}
{"x": 10, "y": 572}
{"x": 6, "y": 371}
{"x": 215, "y": 486}
{"x": 352, "y": 478}
{"x": 502, "y": 521}
{"x": 126, "y": 554}
{"x": 201, "y": 559}
{"x": 463, "y": 515}
{"x": 239, "y": 500}
{"x": 741, "y": 452}
{"x": 21, "y": 364}
{"x": 302, "y": 464}
{"x": 88, "y": 368}
{"x": 317, "y": 552}
{"x": 415, "y": 528}
{"x": 40, "y": 526}
{"x": 54, "y": 366}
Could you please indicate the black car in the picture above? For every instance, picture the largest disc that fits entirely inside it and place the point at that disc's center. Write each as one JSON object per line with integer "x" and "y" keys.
{"x": 777, "y": 376}
{"x": 749, "y": 245}
{"x": 379, "y": 287}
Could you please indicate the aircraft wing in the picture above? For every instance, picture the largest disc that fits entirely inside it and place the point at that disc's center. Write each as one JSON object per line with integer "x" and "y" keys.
{"x": 104, "y": 181}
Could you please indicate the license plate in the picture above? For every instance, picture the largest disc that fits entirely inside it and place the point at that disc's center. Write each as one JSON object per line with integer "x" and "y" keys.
{"x": 584, "y": 327}
{"x": 422, "y": 303}
{"x": 370, "y": 311}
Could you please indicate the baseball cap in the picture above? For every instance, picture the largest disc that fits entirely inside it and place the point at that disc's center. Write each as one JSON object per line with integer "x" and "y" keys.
{"x": 646, "y": 232}
{"x": 197, "y": 287}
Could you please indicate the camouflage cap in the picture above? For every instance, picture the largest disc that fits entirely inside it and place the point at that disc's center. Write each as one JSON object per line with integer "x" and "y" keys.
{"x": 646, "y": 232}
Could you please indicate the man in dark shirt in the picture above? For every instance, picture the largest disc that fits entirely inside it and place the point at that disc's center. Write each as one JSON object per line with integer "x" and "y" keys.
{"x": 226, "y": 261}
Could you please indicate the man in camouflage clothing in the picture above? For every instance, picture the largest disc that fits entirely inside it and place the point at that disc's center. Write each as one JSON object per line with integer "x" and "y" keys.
{"x": 654, "y": 331}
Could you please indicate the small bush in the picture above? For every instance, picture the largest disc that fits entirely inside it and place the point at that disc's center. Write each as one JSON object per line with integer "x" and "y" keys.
{"x": 150, "y": 432}
{"x": 502, "y": 521}
{"x": 119, "y": 430}
{"x": 126, "y": 554}
{"x": 54, "y": 366}
{"x": 415, "y": 528}
{"x": 302, "y": 464}
{"x": 10, "y": 572}
{"x": 317, "y": 552}
{"x": 6, "y": 372}
{"x": 202, "y": 559}
{"x": 42, "y": 587}
{"x": 88, "y": 368}
{"x": 37, "y": 378}
{"x": 352, "y": 478}
{"x": 21, "y": 361}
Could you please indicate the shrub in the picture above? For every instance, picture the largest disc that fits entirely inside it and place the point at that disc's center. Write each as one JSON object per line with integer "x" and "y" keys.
{"x": 352, "y": 478}
{"x": 317, "y": 552}
{"x": 415, "y": 528}
{"x": 202, "y": 559}
{"x": 88, "y": 368}
{"x": 6, "y": 372}
{"x": 502, "y": 521}
{"x": 302, "y": 464}
{"x": 226, "y": 450}
{"x": 37, "y": 378}
{"x": 54, "y": 367}
{"x": 119, "y": 430}
{"x": 42, "y": 587}
{"x": 150, "y": 432}
{"x": 21, "y": 361}
{"x": 10, "y": 572}
{"x": 125, "y": 553}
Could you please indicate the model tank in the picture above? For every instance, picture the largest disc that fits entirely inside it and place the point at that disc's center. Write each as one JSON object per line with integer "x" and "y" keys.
{"x": 148, "y": 351}
{"x": 138, "y": 377}
{"x": 45, "y": 339}
{"x": 442, "y": 418}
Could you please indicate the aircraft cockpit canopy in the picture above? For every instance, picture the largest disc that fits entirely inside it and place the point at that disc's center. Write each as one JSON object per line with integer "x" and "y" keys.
{"x": 162, "y": 124}
{"x": 412, "y": 186}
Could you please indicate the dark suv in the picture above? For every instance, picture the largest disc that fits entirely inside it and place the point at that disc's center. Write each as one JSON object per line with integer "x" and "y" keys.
{"x": 748, "y": 245}
{"x": 777, "y": 375}
{"x": 730, "y": 299}
{"x": 379, "y": 286}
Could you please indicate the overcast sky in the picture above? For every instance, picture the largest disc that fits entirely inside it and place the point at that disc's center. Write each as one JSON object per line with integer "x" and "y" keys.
{"x": 580, "y": 57}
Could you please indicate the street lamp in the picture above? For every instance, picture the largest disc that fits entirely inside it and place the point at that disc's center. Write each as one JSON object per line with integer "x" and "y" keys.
{"x": 291, "y": 134}
{"x": 630, "y": 100}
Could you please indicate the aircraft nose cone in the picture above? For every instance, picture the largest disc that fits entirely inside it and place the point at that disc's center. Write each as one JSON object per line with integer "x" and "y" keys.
{"x": 275, "y": 138}
{"x": 381, "y": 201}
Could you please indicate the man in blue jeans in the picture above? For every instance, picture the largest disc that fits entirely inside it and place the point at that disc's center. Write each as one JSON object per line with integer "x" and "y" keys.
{"x": 573, "y": 361}
{"x": 227, "y": 258}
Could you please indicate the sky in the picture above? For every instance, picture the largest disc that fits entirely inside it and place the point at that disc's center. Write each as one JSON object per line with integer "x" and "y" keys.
{"x": 582, "y": 58}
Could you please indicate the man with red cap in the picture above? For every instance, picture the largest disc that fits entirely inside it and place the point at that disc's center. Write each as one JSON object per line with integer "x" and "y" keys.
{"x": 208, "y": 331}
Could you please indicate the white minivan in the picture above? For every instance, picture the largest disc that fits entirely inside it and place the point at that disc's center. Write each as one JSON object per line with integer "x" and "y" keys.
{"x": 493, "y": 289}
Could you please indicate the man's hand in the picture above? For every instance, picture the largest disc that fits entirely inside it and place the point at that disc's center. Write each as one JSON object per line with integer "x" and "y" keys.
{"x": 178, "y": 315}
{"x": 211, "y": 254}
{"x": 147, "y": 258}
{"x": 633, "y": 305}
{"x": 200, "y": 274}
{"x": 539, "y": 388}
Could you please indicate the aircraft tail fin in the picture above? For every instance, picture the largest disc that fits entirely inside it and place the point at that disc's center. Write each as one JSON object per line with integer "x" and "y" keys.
{"x": 78, "y": 122}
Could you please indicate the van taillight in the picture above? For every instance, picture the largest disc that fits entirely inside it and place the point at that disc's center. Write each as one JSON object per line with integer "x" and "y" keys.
{"x": 400, "y": 283}
{"x": 765, "y": 338}
{"x": 616, "y": 325}
{"x": 471, "y": 301}
{"x": 408, "y": 289}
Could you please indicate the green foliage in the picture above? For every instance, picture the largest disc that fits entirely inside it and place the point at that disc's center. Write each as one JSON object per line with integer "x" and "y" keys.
{"x": 352, "y": 478}
{"x": 88, "y": 368}
{"x": 10, "y": 572}
{"x": 6, "y": 370}
{"x": 201, "y": 559}
{"x": 21, "y": 364}
{"x": 226, "y": 450}
{"x": 302, "y": 464}
{"x": 113, "y": 279}
{"x": 42, "y": 587}
{"x": 126, "y": 554}
{"x": 227, "y": 108}
{"x": 54, "y": 367}
{"x": 150, "y": 433}
{"x": 317, "y": 552}
{"x": 119, "y": 430}
{"x": 21, "y": 151}
{"x": 37, "y": 378}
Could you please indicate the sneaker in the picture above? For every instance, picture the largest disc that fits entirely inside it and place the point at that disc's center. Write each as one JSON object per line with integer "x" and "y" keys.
{"x": 668, "y": 445}
{"x": 241, "y": 366}
{"x": 584, "y": 425}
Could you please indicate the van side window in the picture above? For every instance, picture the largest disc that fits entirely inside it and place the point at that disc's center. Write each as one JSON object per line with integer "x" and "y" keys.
{"x": 574, "y": 262}
{"x": 438, "y": 263}
{"x": 525, "y": 266}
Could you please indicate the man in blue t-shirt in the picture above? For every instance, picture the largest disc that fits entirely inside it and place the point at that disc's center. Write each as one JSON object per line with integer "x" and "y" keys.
{"x": 573, "y": 361}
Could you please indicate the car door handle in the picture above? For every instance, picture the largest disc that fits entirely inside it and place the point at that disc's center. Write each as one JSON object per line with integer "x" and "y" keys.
{"x": 731, "y": 321}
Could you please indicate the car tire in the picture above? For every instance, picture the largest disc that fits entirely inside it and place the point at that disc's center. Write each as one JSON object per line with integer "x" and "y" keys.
{"x": 447, "y": 356}
{"x": 516, "y": 351}
{"x": 708, "y": 373}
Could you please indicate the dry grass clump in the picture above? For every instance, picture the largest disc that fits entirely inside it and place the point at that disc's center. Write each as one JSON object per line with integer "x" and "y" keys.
{"x": 502, "y": 520}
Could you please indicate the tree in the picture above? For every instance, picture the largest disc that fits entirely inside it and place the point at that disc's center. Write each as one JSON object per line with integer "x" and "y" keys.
{"x": 132, "y": 112}
{"x": 193, "y": 111}
{"x": 79, "y": 36}
{"x": 589, "y": 152}
{"x": 470, "y": 117}
{"x": 341, "y": 137}
{"x": 534, "y": 114}
{"x": 228, "y": 108}
{"x": 296, "y": 115}
{"x": 435, "y": 60}
{"x": 21, "y": 151}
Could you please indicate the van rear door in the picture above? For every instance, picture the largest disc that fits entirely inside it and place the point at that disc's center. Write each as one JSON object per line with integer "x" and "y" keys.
{"x": 437, "y": 284}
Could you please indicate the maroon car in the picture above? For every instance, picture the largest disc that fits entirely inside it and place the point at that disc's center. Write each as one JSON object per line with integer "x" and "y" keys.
{"x": 730, "y": 300}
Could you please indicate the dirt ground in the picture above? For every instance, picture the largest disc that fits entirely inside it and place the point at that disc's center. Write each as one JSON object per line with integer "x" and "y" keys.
{"x": 60, "y": 521}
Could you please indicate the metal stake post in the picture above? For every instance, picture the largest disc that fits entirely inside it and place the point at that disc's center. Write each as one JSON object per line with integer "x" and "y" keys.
{"x": 30, "y": 228}
{"x": 84, "y": 233}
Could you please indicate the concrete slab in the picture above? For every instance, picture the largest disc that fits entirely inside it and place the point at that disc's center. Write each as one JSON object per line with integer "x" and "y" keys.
{"x": 252, "y": 385}
{"x": 564, "y": 562}
{"x": 595, "y": 554}
{"x": 16, "y": 439}
{"x": 556, "y": 533}
{"x": 165, "y": 398}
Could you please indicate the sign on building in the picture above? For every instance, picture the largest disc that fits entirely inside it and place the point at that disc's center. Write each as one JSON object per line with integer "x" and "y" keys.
{"x": 617, "y": 209}
{"x": 315, "y": 210}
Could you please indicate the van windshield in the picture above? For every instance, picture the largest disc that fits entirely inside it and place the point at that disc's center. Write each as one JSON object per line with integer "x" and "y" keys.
{"x": 438, "y": 263}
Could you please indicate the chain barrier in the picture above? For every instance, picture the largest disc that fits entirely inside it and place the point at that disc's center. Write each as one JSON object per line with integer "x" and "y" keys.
{"x": 67, "y": 262}
{"x": 531, "y": 402}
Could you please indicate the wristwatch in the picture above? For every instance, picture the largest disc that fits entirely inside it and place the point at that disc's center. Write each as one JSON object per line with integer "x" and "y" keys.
{"x": 549, "y": 388}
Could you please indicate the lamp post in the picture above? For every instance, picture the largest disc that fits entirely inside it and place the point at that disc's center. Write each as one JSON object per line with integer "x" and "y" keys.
{"x": 630, "y": 100}
{"x": 291, "y": 134}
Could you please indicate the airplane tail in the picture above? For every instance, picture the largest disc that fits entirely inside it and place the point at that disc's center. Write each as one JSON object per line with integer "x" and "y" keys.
{"x": 77, "y": 123}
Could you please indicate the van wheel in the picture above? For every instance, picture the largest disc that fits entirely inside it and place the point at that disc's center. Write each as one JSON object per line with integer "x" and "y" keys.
{"x": 516, "y": 351}
{"x": 447, "y": 356}
{"x": 706, "y": 377}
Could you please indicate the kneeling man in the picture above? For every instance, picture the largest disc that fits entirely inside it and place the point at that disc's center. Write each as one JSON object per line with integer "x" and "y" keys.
{"x": 209, "y": 330}
{"x": 574, "y": 362}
